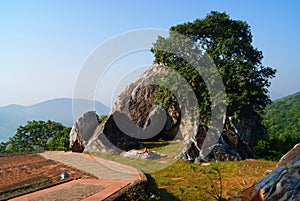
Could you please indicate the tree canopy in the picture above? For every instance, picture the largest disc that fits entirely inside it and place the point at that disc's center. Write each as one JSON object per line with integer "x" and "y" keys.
{"x": 229, "y": 44}
{"x": 282, "y": 121}
{"x": 37, "y": 136}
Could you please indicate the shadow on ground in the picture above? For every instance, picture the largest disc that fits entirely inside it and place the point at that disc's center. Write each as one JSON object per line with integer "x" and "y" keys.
{"x": 162, "y": 193}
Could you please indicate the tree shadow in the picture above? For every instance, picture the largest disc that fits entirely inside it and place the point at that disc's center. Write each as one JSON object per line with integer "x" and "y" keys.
{"x": 162, "y": 193}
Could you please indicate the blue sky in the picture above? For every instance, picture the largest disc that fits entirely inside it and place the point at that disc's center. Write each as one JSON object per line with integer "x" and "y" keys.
{"x": 43, "y": 44}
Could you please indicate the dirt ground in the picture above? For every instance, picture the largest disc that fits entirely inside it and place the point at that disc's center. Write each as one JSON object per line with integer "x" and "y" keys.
{"x": 30, "y": 171}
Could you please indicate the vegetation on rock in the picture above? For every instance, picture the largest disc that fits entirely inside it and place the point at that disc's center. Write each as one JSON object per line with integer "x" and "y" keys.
{"x": 102, "y": 117}
{"x": 228, "y": 42}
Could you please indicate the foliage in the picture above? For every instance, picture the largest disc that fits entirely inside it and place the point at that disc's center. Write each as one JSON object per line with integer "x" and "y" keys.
{"x": 38, "y": 136}
{"x": 283, "y": 116}
{"x": 102, "y": 117}
{"x": 3, "y": 146}
{"x": 228, "y": 43}
{"x": 60, "y": 140}
{"x": 282, "y": 121}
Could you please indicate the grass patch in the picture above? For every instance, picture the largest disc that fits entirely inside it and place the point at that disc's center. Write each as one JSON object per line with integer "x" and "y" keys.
{"x": 178, "y": 180}
{"x": 189, "y": 181}
{"x": 168, "y": 150}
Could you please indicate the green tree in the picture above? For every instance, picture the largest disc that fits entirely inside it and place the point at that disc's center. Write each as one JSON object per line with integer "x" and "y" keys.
{"x": 229, "y": 44}
{"x": 36, "y": 135}
{"x": 102, "y": 117}
{"x": 3, "y": 146}
{"x": 60, "y": 140}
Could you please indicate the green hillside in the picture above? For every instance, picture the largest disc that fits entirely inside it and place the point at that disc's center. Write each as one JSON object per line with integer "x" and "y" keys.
{"x": 282, "y": 117}
{"x": 282, "y": 121}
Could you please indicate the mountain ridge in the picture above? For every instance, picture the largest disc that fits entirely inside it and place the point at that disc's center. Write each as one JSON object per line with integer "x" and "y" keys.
{"x": 59, "y": 110}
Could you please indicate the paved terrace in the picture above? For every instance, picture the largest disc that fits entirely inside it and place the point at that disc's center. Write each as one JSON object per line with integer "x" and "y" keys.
{"x": 112, "y": 177}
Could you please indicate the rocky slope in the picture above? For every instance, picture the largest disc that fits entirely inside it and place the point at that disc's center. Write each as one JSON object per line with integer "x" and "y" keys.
{"x": 135, "y": 118}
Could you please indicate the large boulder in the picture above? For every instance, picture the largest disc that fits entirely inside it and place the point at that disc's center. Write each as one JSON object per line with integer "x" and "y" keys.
{"x": 134, "y": 118}
{"x": 82, "y": 130}
{"x": 281, "y": 184}
{"x": 109, "y": 138}
{"x": 137, "y": 103}
{"x": 291, "y": 156}
{"x": 249, "y": 127}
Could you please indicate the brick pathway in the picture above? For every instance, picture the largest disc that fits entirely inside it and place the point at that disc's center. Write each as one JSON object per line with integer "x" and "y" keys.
{"x": 111, "y": 178}
{"x": 98, "y": 167}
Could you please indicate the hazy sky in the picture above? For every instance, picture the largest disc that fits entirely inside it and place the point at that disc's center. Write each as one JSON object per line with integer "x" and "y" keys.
{"x": 43, "y": 44}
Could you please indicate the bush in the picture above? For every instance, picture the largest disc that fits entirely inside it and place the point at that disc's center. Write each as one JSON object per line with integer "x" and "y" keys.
{"x": 102, "y": 117}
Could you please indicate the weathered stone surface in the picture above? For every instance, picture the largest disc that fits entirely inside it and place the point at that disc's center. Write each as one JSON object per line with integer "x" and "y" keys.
{"x": 108, "y": 137}
{"x": 83, "y": 129}
{"x": 137, "y": 102}
{"x": 281, "y": 184}
{"x": 249, "y": 128}
{"x": 228, "y": 148}
{"x": 291, "y": 156}
{"x": 142, "y": 154}
{"x": 134, "y": 117}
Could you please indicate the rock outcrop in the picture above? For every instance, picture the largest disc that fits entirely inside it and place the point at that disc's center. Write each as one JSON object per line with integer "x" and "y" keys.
{"x": 135, "y": 118}
{"x": 109, "y": 138}
{"x": 82, "y": 130}
{"x": 291, "y": 156}
{"x": 249, "y": 127}
{"x": 281, "y": 184}
{"x": 230, "y": 147}
{"x": 149, "y": 121}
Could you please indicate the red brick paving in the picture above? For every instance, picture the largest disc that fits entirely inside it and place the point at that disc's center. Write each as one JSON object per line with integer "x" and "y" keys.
{"x": 29, "y": 169}
{"x": 109, "y": 177}
{"x": 107, "y": 187}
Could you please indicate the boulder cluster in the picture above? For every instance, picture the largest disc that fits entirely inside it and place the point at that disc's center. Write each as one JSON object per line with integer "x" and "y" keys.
{"x": 135, "y": 118}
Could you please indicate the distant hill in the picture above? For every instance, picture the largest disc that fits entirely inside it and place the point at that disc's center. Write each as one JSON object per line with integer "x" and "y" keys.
{"x": 59, "y": 110}
{"x": 282, "y": 117}
{"x": 282, "y": 121}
